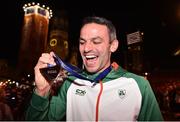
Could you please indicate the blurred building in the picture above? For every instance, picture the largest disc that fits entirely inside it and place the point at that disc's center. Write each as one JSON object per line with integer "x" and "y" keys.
{"x": 58, "y": 40}
{"x": 58, "y": 35}
{"x": 3, "y": 67}
{"x": 34, "y": 35}
{"x": 134, "y": 58}
{"x": 74, "y": 57}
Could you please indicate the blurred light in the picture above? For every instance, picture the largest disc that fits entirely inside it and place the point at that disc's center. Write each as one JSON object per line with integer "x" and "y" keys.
{"x": 146, "y": 73}
{"x": 34, "y": 84}
{"x": 177, "y": 52}
{"x": 34, "y": 5}
{"x": 17, "y": 84}
{"x": 13, "y": 98}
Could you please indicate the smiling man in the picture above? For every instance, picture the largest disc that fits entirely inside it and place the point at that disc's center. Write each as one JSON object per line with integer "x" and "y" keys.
{"x": 96, "y": 47}
{"x": 104, "y": 92}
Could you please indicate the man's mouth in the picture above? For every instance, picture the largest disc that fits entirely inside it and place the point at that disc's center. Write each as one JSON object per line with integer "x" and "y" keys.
{"x": 90, "y": 59}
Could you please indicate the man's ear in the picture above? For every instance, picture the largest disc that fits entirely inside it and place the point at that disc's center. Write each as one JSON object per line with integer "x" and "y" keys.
{"x": 114, "y": 45}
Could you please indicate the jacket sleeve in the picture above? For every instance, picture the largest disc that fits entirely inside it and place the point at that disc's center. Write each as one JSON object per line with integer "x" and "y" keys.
{"x": 38, "y": 108}
{"x": 150, "y": 110}
{"x": 44, "y": 108}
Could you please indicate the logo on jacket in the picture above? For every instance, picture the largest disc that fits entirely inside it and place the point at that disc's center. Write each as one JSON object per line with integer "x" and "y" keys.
{"x": 122, "y": 93}
{"x": 80, "y": 92}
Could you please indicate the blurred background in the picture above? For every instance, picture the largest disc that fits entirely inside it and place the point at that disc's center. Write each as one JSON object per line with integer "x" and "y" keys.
{"x": 148, "y": 32}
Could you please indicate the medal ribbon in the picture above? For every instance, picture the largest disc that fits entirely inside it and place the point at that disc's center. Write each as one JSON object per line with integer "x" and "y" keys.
{"x": 75, "y": 71}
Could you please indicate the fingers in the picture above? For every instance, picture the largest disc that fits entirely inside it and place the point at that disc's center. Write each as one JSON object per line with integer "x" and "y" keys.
{"x": 45, "y": 59}
{"x": 52, "y": 54}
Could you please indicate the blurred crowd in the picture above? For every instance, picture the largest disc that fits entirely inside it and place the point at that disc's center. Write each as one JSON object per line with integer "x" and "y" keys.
{"x": 13, "y": 100}
{"x": 168, "y": 96}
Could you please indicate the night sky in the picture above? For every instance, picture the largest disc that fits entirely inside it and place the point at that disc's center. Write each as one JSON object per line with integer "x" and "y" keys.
{"x": 158, "y": 19}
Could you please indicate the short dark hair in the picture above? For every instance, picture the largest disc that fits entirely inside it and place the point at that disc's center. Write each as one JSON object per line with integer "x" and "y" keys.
{"x": 101, "y": 21}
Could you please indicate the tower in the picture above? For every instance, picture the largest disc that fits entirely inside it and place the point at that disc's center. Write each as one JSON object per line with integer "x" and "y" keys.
{"x": 34, "y": 35}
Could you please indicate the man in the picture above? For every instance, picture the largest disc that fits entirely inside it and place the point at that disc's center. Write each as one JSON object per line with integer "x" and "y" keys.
{"x": 110, "y": 94}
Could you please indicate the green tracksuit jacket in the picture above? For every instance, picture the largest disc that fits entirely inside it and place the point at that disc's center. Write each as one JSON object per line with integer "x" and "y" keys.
{"x": 120, "y": 96}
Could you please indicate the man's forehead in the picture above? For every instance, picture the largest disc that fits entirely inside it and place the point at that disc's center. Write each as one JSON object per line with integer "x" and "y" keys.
{"x": 91, "y": 38}
{"x": 93, "y": 31}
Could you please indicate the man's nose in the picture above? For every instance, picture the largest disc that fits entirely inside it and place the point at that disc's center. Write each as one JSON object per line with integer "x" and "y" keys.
{"x": 88, "y": 47}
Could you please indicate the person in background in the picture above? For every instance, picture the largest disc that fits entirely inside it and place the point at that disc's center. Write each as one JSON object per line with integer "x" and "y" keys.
{"x": 5, "y": 110}
{"x": 110, "y": 94}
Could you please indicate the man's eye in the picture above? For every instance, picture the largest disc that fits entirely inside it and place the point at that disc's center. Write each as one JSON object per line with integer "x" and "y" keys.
{"x": 81, "y": 42}
{"x": 97, "y": 42}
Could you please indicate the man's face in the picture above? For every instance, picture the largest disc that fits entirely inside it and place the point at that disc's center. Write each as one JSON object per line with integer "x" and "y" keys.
{"x": 94, "y": 47}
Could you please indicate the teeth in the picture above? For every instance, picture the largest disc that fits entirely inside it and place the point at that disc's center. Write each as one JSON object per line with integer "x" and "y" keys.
{"x": 90, "y": 56}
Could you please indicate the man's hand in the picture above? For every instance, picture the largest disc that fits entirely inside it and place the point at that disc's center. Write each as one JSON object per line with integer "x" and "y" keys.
{"x": 42, "y": 85}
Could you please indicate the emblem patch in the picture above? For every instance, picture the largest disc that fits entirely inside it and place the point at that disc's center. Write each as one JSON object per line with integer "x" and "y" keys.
{"x": 122, "y": 93}
{"x": 80, "y": 92}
